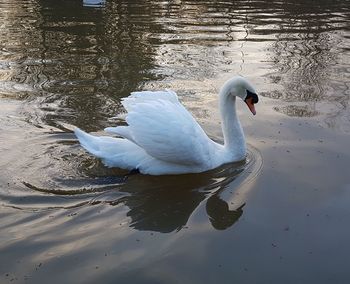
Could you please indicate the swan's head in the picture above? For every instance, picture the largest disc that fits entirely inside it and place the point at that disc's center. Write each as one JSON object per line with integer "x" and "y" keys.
{"x": 241, "y": 87}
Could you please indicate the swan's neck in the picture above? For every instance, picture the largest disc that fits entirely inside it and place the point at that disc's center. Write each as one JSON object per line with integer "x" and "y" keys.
{"x": 234, "y": 141}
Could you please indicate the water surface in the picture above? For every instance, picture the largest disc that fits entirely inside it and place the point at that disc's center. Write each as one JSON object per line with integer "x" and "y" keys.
{"x": 281, "y": 216}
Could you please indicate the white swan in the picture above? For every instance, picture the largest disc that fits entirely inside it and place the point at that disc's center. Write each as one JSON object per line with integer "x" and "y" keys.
{"x": 94, "y": 3}
{"x": 162, "y": 137}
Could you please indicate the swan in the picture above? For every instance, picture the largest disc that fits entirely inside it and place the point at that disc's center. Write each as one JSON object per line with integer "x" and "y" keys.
{"x": 94, "y": 3}
{"x": 162, "y": 137}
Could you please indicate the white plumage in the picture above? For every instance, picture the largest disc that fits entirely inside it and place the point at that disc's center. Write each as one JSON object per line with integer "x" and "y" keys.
{"x": 162, "y": 137}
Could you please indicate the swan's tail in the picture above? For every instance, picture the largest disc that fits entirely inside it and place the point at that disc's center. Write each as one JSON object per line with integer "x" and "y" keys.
{"x": 114, "y": 152}
{"x": 89, "y": 142}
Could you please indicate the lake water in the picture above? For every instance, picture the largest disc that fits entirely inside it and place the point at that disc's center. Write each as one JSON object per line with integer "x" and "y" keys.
{"x": 280, "y": 217}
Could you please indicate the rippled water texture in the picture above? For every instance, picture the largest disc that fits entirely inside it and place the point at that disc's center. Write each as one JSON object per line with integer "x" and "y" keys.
{"x": 281, "y": 216}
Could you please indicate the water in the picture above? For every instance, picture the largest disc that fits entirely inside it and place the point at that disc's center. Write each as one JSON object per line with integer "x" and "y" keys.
{"x": 280, "y": 217}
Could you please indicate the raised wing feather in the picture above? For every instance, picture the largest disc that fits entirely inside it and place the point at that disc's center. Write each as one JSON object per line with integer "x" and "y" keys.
{"x": 167, "y": 95}
{"x": 164, "y": 129}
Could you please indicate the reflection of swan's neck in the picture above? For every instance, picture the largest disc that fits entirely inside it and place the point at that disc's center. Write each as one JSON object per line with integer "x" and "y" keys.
{"x": 231, "y": 127}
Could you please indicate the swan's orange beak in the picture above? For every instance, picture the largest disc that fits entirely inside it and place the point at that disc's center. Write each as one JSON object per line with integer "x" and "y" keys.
{"x": 250, "y": 104}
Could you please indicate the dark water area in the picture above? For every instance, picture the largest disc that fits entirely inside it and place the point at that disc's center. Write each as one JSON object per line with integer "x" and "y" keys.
{"x": 281, "y": 216}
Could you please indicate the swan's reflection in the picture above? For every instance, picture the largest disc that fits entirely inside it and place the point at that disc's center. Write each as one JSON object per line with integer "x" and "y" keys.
{"x": 160, "y": 204}
{"x": 165, "y": 204}
{"x": 220, "y": 216}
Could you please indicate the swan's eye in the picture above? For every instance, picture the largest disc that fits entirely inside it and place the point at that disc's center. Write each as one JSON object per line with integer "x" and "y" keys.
{"x": 253, "y": 96}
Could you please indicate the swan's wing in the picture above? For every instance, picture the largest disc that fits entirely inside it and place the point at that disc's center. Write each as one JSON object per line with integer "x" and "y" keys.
{"x": 147, "y": 96}
{"x": 159, "y": 124}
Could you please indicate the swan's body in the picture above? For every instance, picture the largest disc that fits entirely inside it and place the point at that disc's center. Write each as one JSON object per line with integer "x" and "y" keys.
{"x": 162, "y": 137}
